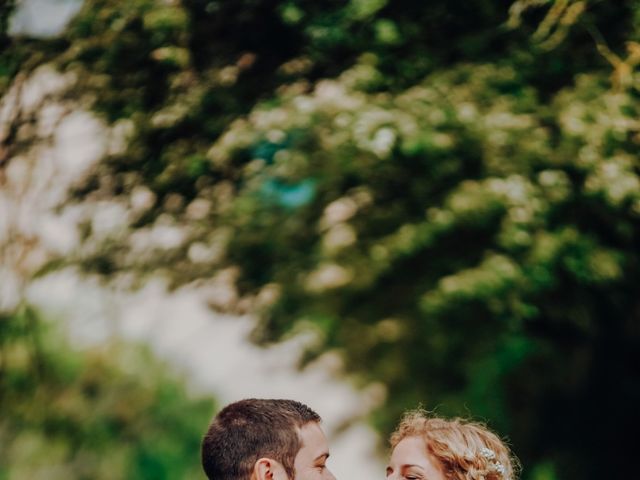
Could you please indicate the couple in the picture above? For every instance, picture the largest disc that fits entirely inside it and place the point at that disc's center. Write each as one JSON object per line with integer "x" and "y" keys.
{"x": 282, "y": 440}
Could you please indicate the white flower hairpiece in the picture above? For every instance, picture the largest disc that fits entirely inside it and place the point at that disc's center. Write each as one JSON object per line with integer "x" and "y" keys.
{"x": 495, "y": 465}
{"x": 488, "y": 453}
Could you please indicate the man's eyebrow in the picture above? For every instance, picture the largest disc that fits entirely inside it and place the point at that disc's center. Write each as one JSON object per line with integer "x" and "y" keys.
{"x": 320, "y": 457}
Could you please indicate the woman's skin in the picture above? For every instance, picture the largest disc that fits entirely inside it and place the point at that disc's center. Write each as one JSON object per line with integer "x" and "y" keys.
{"x": 411, "y": 461}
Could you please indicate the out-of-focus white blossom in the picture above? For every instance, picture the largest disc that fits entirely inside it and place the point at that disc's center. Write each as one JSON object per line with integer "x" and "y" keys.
{"x": 198, "y": 209}
{"x": 338, "y": 211}
{"x": 142, "y": 199}
{"x": 328, "y": 276}
{"x": 338, "y": 237}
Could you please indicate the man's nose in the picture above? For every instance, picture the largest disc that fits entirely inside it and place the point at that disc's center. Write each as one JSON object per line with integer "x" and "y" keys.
{"x": 331, "y": 475}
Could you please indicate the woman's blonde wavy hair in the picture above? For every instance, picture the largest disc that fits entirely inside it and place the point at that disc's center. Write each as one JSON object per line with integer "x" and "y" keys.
{"x": 465, "y": 450}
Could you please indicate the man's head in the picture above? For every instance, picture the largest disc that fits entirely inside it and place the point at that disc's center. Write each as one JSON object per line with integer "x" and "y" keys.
{"x": 266, "y": 440}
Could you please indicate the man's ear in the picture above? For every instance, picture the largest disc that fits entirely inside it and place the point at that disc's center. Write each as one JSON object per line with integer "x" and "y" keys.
{"x": 268, "y": 469}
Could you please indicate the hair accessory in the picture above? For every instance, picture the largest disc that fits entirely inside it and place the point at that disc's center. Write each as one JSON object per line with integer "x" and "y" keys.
{"x": 495, "y": 465}
{"x": 488, "y": 453}
{"x": 500, "y": 468}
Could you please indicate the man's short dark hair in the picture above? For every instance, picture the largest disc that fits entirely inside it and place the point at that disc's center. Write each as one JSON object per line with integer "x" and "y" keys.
{"x": 245, "y": 431}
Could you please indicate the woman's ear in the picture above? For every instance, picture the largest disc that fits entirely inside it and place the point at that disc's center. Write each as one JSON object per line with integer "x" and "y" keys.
{"x": 268, "y": 469}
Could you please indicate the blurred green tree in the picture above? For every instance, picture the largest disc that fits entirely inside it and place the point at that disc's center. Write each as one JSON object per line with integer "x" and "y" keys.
{"x": 103, "y": 413}
{"x": 447, "y": 192}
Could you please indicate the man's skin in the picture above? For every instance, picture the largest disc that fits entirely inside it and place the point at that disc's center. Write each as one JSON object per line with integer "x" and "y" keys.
{"x": 310, "y": 462}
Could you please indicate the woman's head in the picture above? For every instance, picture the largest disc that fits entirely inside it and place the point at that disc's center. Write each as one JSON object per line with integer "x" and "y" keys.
{"x": 425, "y": 447}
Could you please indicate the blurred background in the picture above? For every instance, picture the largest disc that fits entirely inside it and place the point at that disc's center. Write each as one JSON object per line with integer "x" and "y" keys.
{"x": 366, "y": 205}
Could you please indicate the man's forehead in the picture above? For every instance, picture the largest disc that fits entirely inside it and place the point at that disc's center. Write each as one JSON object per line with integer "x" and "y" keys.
{"x": 312, "y": 436}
